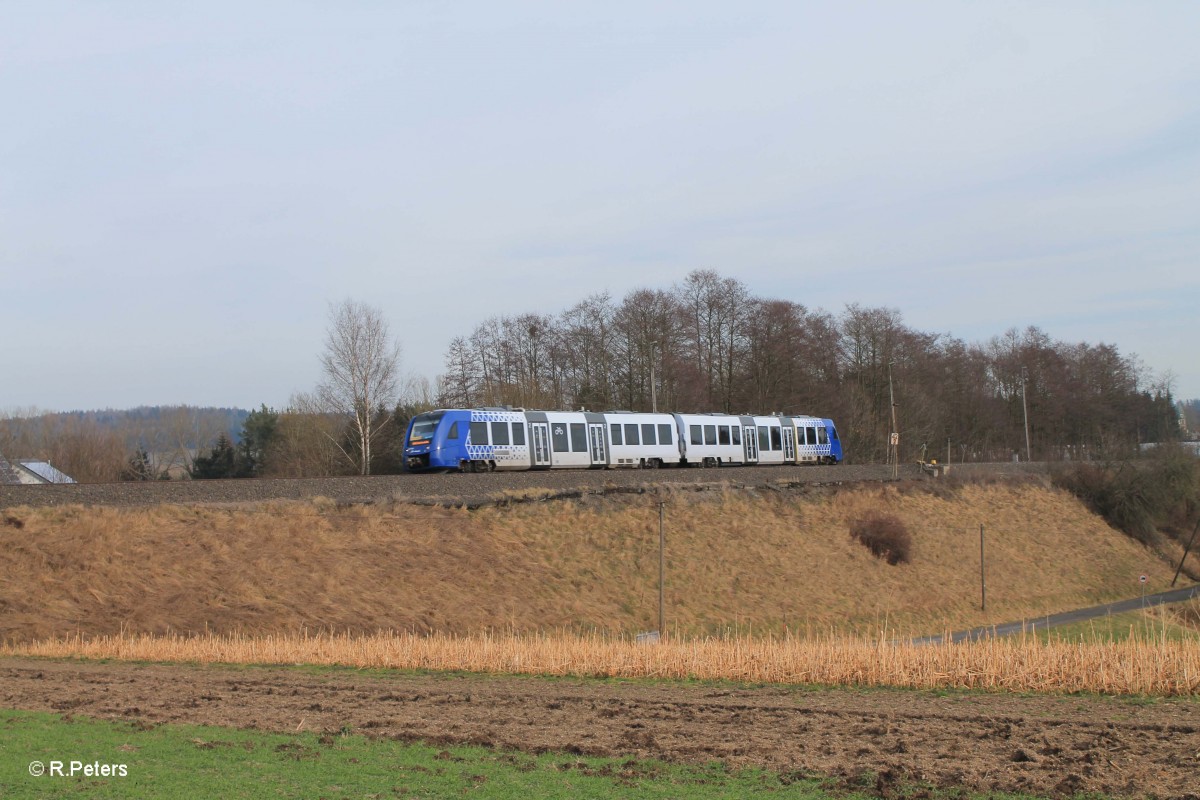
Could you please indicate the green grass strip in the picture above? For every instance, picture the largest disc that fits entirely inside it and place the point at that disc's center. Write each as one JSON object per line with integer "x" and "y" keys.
{"x": 202, "y": 761}
{"x": 195, "y": 761}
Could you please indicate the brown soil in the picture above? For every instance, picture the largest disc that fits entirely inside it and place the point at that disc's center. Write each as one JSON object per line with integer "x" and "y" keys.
{"x": 1039, "y": 745}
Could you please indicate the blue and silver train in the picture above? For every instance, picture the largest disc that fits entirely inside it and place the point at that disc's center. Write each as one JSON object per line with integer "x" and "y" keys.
{"x": 487, "y": 439}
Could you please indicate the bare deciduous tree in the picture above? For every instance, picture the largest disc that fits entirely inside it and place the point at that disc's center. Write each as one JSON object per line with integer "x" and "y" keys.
{"x": 709, "y": 344}
{"x": 361, "y": 363}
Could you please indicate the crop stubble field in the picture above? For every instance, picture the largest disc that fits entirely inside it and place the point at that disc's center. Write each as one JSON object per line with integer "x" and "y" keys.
{"x": 1039, "y": 744}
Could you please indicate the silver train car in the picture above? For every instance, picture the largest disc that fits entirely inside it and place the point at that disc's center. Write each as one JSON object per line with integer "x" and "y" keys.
{"x": 487, "y": 439}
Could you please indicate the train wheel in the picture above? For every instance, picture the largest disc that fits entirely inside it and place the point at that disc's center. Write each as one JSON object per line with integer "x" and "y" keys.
{"x": 652, "y": 463}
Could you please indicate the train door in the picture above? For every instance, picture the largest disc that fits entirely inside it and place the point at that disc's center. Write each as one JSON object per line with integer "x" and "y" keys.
{"x": 750, "y": 439}
{"x": 540, "y": 432}
{"x": 596, "y": 443}
{"x": 789, "y": 448}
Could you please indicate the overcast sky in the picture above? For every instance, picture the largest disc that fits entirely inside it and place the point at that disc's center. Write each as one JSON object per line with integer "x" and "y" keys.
{"x": 184, "y": 188}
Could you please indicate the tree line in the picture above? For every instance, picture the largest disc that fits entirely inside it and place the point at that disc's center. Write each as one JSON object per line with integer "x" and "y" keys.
{"x": 705, "y": 344}
{"x": 99, "y": 446}
{"x": 709, "y": 344}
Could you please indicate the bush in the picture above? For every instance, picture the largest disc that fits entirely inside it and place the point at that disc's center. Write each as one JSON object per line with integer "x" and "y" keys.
{"x": 884, "y": 535}
{"x": 1139, "y": 498}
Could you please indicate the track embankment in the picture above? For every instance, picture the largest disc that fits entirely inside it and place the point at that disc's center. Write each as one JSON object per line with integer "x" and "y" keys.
{"x": 451, "y": 488}
{"x": 766, "y": 560}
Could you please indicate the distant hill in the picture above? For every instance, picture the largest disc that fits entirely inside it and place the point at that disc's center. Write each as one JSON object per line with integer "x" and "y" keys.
{"x": 151, "y": 427}
{"x": 222, "y": 420}
{"x": 96, "y": 446}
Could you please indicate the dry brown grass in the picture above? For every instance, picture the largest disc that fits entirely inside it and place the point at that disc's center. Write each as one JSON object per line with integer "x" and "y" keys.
{"x": 764, "y": 563}
{"x": 1146, "y": 666}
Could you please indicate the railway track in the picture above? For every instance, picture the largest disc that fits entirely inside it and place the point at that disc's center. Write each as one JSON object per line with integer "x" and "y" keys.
{"x": 455, "y": 487}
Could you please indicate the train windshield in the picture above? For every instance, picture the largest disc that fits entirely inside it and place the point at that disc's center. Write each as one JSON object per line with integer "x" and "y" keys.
{"x": 423, "y": 427}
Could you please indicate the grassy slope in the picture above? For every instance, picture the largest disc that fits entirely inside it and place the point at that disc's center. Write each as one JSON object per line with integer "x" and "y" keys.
{"x": 734, "y": 559}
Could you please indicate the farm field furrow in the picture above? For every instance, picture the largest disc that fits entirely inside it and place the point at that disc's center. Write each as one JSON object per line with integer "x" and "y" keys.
{"x": 1041, "y": 745}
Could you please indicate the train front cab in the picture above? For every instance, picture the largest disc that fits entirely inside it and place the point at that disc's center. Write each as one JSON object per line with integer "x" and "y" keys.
{"x": 835, "y": 443}
{"x": 436, "y": 440}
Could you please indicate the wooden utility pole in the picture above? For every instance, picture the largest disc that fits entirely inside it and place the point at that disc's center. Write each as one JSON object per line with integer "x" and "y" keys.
{"x": 894, "y": 438}
{"x": 1025, "y": 414}
{"x": 1186, "y": 550}
{"x": 662, "y": 568}
{"x": 982, "y": 573}
{"x": 653, "y": 391}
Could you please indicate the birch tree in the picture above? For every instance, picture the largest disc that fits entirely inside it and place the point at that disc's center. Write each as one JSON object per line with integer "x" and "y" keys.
{"x": 361, "y": 364}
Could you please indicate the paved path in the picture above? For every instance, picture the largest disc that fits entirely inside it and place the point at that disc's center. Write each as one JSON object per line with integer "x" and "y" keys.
{"x": 1067, "y": 617}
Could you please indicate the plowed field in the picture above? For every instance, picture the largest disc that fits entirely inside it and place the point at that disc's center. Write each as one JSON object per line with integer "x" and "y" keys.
{"x": 1038, "y": 745}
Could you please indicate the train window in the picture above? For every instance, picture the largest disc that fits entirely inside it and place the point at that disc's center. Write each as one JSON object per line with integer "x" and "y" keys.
{"x": 664, "y": 435}
{"x": 424, "y": 426}
{"x": 776, "y": 438}
{"x": 616, "y": 433}
{"x": 453, "y": 432}
{"x": 578, "y": 438}
{"x": 558, "y": 437}
{"x": 648, "y": 436}
{"x": 812, "y": 435}
{"x": 697, "y": 435}
{"x": 499, "y": 433}
{"x": 833, "y": 433}
{"x": 710, "y": 434}
{"x": 737, "y": 435}
{"x": 764, "y": 441}
{"x": 519, "y": 433}
{"x": 479, "y": 433}
{"x": 723, "y": 434}
{"x": 822, "y": 436}
{"x": 631, "y": 434}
